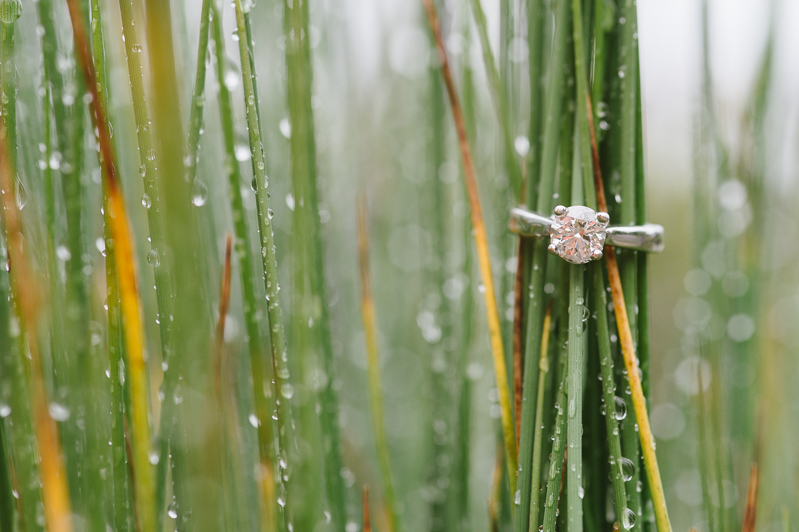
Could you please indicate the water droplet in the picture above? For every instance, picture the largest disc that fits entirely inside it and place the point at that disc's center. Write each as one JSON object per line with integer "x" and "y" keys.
{"x": 5, "y": 410}
{"x": 172, "y": 511}
{"x": 63, "y": 253}
{"x": 517, "y": 499}
{"x": 58, "y": 412}
{"x": 628, "y": 519}
{"x": 580, "y": 492}
{"x": 287, "y": 390}
{"x": 146, "y": 202}
{"x": 136, "y": 48}
{"x": 20, "y": 192}
{"x": 572, "y": 408}
{"x": 154, "y": 457}
{"x": 254, "y": 184}
{"x": 285, "y": 128}
{"x": 621, "y": 408}
{"x": 199, "y": 193}
{"x": 254, "y": 420}
{"x": 151, "y": 155}
{"x": 627, "y": 468}
{"x": 153, "y": 259}
{"x": 242, "y": 152}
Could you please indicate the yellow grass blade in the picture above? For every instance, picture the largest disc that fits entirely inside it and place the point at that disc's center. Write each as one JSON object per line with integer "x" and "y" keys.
{"x": 483, "y": 255}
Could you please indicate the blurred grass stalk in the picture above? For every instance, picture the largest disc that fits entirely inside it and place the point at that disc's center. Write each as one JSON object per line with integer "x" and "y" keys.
{"x": 373, "y": 366}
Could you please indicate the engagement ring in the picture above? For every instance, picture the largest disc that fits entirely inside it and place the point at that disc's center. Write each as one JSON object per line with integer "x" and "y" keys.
{"x": 578, "y": 234}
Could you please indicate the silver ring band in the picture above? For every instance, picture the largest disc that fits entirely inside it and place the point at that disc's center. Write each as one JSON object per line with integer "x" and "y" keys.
{"x": 647, "y": 237}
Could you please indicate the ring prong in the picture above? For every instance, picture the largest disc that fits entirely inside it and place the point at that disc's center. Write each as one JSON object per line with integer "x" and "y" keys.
{"x": 596, "y": 254}
{"x": 560, "y": 210}
{"x": 552, "y": 249}
{"x": 603, "y": 217}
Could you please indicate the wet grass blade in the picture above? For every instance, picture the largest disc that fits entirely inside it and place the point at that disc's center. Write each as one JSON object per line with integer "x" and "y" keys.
{"x": 500, "y": 99}
{"x": 373, "y": 365}
{"x": 483, "y": 256}
{"x": 269, "y": 261}
{"x": 127, "y": 277}
{"x": 554, "y": 480}
{"x": 247, "y": 275}
{"x": 543, "y": 370}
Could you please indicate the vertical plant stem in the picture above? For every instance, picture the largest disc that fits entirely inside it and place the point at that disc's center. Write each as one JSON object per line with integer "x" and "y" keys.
{"x": 266, "y": 449}
{"x": 609, "y": 393}
{"x": 483, "y": 256}
{"x": 278, "y": 339}
{"x": 558, "y": 450}
{"x": 373, "y": 365}
{"x": 304, "y": 182}
{"x": 536, "y": 69}
{"x": 367, "y": 520}
{"x": 121, "y": 484}
{"x": 543, "y": 370}
{"x": 7, "y": 510}
{"x": 127, "y": 277}
{"x": 149, "y": 172}
{"x": 554, "y": 97}
{"x": 500, "y": 100}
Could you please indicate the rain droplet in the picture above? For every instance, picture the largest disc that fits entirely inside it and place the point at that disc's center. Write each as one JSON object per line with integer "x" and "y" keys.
{"x": 63, "y": 253}
{"x": 627, "y": 468}
{"x": 621, "y": 408}
{"x": 146, "y": 202}
{"x": 287, "y": 390}
{"x": 285, "y": 128}
{"x": 58, "y": 412}
{"x": 628, "y": 519}
{"x": 153, "y": 259}
{"x": 199, "y": 193}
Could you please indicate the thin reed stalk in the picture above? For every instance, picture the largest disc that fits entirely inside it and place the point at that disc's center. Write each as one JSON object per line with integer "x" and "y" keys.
{"x": 243, "y": 249}
{"x": 127, "y": 278}
{"x": 500, "y": 99}
{"x": 373, "y": 365}
{"x": 483, "y": 255}
{"x": 149, "y": 171}
{"x": 278, "y": 339}
{"x": 536, "y": 305}
{"x": 543, "y": 370}
{"x": 367, "y": 520}
{"x": 314, "y": 308}
{"x": 115, "y": 337}
{"x": 556, "y": 463}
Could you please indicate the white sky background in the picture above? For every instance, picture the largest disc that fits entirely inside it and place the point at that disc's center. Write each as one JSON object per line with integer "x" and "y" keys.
{"x": 670, "y": 57}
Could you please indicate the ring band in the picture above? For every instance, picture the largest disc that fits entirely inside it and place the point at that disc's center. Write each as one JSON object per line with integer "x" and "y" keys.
{"x": 578, "y": 233}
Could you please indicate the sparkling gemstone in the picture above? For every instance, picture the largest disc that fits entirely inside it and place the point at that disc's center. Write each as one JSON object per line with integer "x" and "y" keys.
{"x": 577, "y": 234}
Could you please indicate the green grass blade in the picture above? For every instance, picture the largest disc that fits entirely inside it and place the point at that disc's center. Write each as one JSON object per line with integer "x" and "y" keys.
{"x": 247, "y": 275}
{"x": 500, "y": 100}
{"x": 278, "y": 339}
{"x": 307, "y": 221}
{"x": 536, "y": 307}
{"x": 552, "y": 500}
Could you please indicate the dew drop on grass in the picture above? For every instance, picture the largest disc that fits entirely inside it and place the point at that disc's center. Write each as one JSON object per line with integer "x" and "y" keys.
{"x": 21, "y": 194}
{"x": 146, "y": 202}
{"x": 580, "y": 492}
{"x": 517, "y": 499}
{"x": 63, "y": 253}
{"x": 153, "y": 259}
{"x": 58, "y": 412}
{"x": 151, "y": 155}
{"x": 627, "y": 468}
{"x": 254, "y": 183}
{"x": 5, "y": 410}
{"x": 287, "y": 390}
{"x": 254, "y": 420}
{"x": 153, "y": 457}
{"x": 621, "y": 408}
{"x": 199, "y": 193}
{"x": 285, "y": 128}
{"x": 628, "y": 519}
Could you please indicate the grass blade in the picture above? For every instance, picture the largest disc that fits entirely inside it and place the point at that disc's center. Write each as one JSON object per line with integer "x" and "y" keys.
{"x": 247, "y": 274}
{"x": 269, "y": 261}
{"x": 543, "y": 370}
{"x": 751, "y": 500}
{"x": 367, "y": 520}
{"x": 500, "y": 100}
{"x": 556, "y": 463}
{"x": 126, "y": 274}
{"x": 483, "y": 256}
{"x": 373, "y": 364}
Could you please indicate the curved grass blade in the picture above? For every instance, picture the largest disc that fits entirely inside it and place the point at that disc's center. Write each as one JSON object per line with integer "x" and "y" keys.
{"x": 483, "y": 255}
{"x": 370, "y": 332}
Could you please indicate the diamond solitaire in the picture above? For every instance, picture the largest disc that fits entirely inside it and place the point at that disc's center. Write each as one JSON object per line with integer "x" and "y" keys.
{"x": 577, "y": 234}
